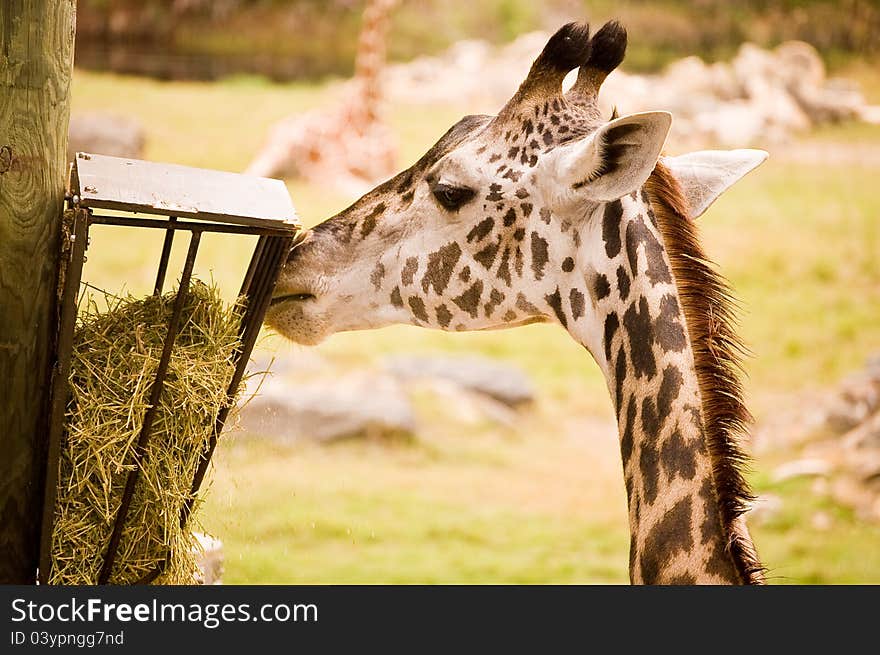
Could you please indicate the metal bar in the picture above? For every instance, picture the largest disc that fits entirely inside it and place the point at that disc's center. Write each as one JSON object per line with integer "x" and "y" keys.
{"x": 247, "y": 336}
{"x": 192, "y": 226}
{"x": 262, "y": 273}
{"x": 155, "y": 573}
{"x": 155, "y": 394}
{"x": 166, "y": 253}
{"x": 252, "y": 267}
{"x": 269, "y": 268}
{"x": 61, "y": 385}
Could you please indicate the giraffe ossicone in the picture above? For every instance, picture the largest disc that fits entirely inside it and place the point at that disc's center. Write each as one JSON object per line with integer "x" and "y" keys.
{"x": 549, "y": 213}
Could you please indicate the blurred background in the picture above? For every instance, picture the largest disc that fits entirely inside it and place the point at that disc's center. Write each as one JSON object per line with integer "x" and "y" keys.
{"x": 404, "y": 455}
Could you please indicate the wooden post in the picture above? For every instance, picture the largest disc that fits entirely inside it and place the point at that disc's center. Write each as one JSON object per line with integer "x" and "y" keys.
{"x": 36, "y": 64}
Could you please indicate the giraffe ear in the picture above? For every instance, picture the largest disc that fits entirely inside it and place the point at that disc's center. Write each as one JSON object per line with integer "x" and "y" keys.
{"x": 705, "y": 175}
{"x": 616, "y": 159}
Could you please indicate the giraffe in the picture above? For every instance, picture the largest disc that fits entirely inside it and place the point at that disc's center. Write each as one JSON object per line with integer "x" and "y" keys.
{"x": 549, "y": 213}
{"x": 350, "y": 146}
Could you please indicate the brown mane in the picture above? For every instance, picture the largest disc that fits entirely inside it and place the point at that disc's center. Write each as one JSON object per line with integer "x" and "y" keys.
{"x": 708, "y": 306}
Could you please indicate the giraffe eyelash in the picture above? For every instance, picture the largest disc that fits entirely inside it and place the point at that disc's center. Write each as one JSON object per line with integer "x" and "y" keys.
{"x": 452, "y": 197}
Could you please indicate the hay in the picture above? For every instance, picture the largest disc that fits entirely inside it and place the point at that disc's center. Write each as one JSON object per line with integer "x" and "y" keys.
{"x": 115, "y": 357}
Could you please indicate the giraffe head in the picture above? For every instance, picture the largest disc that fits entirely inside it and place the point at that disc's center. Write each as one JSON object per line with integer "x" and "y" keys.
{"x": 548, "y": 212}
{"x": 490, "y": 226}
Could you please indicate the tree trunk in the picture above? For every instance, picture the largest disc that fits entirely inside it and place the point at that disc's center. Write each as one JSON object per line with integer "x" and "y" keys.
{"x": 36, "y": 64}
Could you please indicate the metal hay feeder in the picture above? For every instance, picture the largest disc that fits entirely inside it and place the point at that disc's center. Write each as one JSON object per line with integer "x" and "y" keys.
{"x": 175, "y": 199}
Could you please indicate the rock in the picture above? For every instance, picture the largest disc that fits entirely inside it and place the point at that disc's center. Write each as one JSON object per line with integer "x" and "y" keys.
{"x": 734, "y": 123}
{"x": 870, "y": 114}
{"x": 858, "y": 398}
{"x": 821, "y": 521}
{"x": 872, "y": 367}
{"x": 463, "y": 405}
{"x": 864, "y": 437}
{"x": 820, "y": 487}
{"x": 759, "y": 97}
{"x": 849, "y": 491}
{"x": 105, "y": 134}
{"x": 842, "y": 450}
{"x": 842, "y": 418}
{"x": 498, "y": 380}
{"x": 799, "y": 64}
{"x": 834, "y": 102}
{"x": 210, "y": 559}
{"x": 807, "y": 467}
{"x": 359, "y": 405}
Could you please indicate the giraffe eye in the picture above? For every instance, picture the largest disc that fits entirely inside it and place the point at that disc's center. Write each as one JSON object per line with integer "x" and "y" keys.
{"x": 452, "y": 197}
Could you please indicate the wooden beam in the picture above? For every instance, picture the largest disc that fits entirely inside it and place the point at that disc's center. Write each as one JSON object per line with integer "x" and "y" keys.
{"x": 36, "y": 63}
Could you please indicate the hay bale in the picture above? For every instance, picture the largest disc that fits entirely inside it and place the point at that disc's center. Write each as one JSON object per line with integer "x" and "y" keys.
{"x": 115, "y": 357}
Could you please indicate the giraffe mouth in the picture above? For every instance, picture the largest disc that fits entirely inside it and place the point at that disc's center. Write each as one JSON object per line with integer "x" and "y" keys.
{"x": 291, "y": 297}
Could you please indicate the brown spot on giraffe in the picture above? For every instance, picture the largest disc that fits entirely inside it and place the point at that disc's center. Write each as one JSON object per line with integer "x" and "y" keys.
{"x": 495, "y": 299}
{"x": 504, "y": 267}
{"x": 669, "y": 330}
{"x": 649, "y": 467}
{"x": 602, "y": 286}
{"x": 369, "y": 223}
{"x": 612, "y": 323}
{"x": 539, "y": 255}
{"x": 469, "y": 301}
{"x": 486, "y": 256}
{"x": 444, "y": 316}
{"x": 555, "y": 301}
{"x": 440, "y": 266}
{"x": 639, "y": 330}
{"x": 678, "y": 457}
{"x": 671, "y": 535}
{"x": 481, "y": 229}
{"x": 409, "y": 270}
{"x": 669, "y": 388}
{"x": 396, "y": 299}
{"x": 524, "y": 305}
{"x": 611, "y": 219}
{"x": 627, "y": 437}
{"x": 377, "y": 276}
{"x": 417, "y": 305}
{"x": 637, "y": 233}
{"x": 576, "y": 300}
{"x": 622, "y": 283}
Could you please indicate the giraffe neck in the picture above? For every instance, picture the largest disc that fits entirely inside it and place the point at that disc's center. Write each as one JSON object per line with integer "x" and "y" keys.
{"x": 371, "y": 53}
{"x": 645, "y": 352}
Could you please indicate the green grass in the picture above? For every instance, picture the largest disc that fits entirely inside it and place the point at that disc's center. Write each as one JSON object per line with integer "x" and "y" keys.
{"x": 798, "y": 551}
{"x": 544, "y": 502}
{"x": 367, "y": 513}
